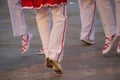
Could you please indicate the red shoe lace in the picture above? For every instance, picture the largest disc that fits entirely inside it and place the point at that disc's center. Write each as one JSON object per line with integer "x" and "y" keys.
{"x": 118, "y": 42}
{"x": 41, "y": 50}
{"x": 110, "y": 39}
{"x": 24, "y": 40}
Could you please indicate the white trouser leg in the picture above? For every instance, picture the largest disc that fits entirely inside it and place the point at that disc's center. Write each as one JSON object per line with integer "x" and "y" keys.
{"x": 57, "y": 35}
{"x": 117, "y": 3}
{"x": 17, "y": 17}
{"x": 87, "y": 13}
{"x": 43, "y": 18}
{"x": 52, "y": 39}
{"x": 107, "y": 17}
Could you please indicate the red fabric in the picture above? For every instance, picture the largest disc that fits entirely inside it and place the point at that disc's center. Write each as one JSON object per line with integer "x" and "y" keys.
{"x": 39, "y": 3}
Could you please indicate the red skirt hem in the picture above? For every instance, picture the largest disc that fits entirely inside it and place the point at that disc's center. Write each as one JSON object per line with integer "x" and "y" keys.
{"x": 40, "y": 3}
{"x": 38, "y": 7}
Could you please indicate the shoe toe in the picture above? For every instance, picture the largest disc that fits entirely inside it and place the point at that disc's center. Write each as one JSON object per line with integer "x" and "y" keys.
{"x": 48, "y": 63}
{"x": 89, "y": 42}
{"x": 118, "y": 50}
{"x": 54, "y": 65}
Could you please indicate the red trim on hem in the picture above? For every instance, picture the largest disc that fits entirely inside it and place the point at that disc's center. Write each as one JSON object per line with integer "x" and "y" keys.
{"x": 63, "y": 37}
{"x": 92, "y": 20}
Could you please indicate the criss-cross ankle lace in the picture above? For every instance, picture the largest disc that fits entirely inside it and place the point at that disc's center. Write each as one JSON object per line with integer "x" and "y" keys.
{"x": 41, "y": 51}
{"x": 25, "y": 42}
{"x": 108, "y": 43}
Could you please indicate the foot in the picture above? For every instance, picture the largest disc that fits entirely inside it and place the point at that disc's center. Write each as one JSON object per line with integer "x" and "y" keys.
{"x": 108, "y": 44}
{"x": 87, "y": 41}
{"x": 54, "y": 65}
{"x": 41, "y": 51}
{"x": 25, "y": 42}
{"x": 118, "y": 47}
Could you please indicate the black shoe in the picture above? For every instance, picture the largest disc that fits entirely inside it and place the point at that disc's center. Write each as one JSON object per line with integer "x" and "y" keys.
{"x": 48, "y": 63}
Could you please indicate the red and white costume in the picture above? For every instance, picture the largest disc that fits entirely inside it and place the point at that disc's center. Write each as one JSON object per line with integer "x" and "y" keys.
{"x": 107, "y": 18}
{"x": 51, "y": 21}
{"x": 19, "y": 24}
{"x": 87, "y": 10}
{"x": 117, "y": 4}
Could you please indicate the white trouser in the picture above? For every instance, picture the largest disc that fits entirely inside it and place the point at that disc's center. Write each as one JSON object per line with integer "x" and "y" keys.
{"x": 87, "y": 14}
{"x": 117, "y": 3}
{"x": 107, "y": 17}
{"x": 17, "y": 17}
{"x": 51, "y": 23}
{"x": 87, "y": 10}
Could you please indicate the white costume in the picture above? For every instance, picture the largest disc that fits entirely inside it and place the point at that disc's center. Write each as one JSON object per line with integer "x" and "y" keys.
{"x": 107, "y": 17}
{"x": 87, "y": 14}
{"x": 117, "y": 4}
{"x": 17, "y": 17}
